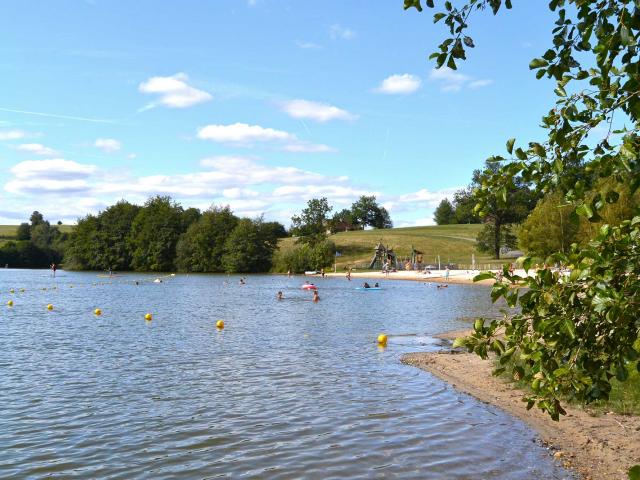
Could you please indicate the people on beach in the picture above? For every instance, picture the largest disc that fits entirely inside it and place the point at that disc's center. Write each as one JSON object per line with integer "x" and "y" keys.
{"x": 279, "y": 296}
{"x": 322, "y": 272}
{"x": 316, "y": 297}
{"x": 349, "y": 274}
{"x": 446, "y": 273}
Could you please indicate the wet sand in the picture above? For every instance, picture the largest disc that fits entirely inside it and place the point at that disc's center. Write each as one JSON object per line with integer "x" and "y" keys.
{"x": 597, "y": 447}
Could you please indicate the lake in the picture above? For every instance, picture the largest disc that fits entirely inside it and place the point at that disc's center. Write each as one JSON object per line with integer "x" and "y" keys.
{"x": 288, "y": 389}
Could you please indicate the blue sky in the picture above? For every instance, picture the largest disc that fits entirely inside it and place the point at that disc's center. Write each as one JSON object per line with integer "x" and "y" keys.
{"x": 258, "y": 104}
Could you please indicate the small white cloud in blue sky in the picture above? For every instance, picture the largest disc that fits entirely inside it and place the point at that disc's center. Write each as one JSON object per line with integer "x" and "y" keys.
{"x": 319, "y": 112}
{"x": 174, "y": 92}
{"x": 452, "y": 81}
{"x": 399, "y": 84}
{"x": 36, "y": 149}
{"x": 107, "y": 145}
{"x": 12, "y": 135}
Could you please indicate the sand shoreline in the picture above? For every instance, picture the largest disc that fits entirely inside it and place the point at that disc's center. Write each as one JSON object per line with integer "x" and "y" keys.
{"x": 602, "y": 447}
{"x": 436, "y": 276}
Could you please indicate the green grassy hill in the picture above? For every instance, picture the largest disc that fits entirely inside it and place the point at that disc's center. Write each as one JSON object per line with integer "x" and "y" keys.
{"x": 8, "y": 232}
{"x": 454, "y": 244}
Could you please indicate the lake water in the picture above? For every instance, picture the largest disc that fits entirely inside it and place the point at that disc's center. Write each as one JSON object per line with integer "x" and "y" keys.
{"x": 288, "y": 389}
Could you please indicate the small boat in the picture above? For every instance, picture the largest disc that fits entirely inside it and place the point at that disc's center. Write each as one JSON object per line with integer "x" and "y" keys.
{"x": 311, "y": 272}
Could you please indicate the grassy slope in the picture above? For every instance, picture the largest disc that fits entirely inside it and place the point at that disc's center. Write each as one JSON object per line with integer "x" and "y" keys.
{"x": 7, "y": 231}
{"x": 454, "y": 243}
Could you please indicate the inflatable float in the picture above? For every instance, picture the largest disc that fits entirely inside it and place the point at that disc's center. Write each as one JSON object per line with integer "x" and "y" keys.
{"x": 369, "y": 288}
{"x": 309, "y": 286}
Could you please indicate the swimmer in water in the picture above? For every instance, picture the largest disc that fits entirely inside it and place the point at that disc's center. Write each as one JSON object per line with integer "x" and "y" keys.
{"x": 366, "y": 285}
{"x": 241, "y": 280}
{"x": 279, "y": 296}
{"x": 376, "y": 285}
{"x": 316, "y": 297}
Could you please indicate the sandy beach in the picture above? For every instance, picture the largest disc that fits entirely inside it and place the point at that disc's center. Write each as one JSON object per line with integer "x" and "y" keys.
{"x": 597, "y": 447}
{"x": 438, "y": 276}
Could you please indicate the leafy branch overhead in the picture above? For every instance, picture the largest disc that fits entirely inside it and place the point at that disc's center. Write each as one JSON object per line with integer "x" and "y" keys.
{"x": 577, "y": 331}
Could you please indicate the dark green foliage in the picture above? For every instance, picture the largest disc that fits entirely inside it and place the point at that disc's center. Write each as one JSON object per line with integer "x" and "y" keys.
{"x": 304, "y": 257}
{"x": 573, "y": 335}
{"x": 343, "y": 221}
{"x": 24, "y": 232}
{"x": 486, "y": 239}
{"x": 201, "y": 248}
{"x": 312, "y": 223}
{"x": 464, "y": 204}
{"x": 38, "y": 246}
{"x": 82, "y": 251}
{"x": 366, "y": 212}
{"x": 154, "y": 235}
{"x": 250, "y": 246}
{"x": 444, "y": 213}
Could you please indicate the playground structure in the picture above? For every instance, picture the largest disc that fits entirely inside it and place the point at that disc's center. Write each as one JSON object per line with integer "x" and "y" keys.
{"x": 383, "y": 255}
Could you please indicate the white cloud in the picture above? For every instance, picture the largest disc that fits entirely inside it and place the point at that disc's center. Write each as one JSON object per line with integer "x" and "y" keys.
{"x": 56, "y": 168}
{"x": 338, "y": 32}
{"x": 302, "y": 147}
{"x": 12, "y": 134}
{"x": 47, "y": 176}
{"x": 107, "y": 145}
{"x": 399, "y": 84}
{"x": 319, "y": 112}
{"x": 131, "y": 156}
{"x": 174, "y": 91}
{"x": 36, "y": 149}
{"x": 242, "y": 133}
{"x": 452, "y": 81}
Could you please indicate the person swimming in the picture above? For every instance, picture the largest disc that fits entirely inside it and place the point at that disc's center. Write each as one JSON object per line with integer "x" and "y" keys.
{"x": 316, "y": 297}
{"x": 376, "y": 285}
{"x": 366, "y": 285}
{"x": 279, "y": 296}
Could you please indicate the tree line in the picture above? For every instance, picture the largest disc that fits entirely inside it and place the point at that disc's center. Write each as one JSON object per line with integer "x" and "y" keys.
{"x": 162, "y": 236}
{"x": 37, "y": 244}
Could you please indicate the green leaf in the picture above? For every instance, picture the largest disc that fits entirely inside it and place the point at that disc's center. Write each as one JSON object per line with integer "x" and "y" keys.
{"x": 412, "y": 4}
{"x": 438, "y": 16}
{"x": 622, "y": 374}
{"x": 478, "y": 324}
{"x": 569, "y": 327}
{"x": 483, "y": 276}
{"x": 526, "y": 263}
{"x": 537, "y": 63}
{"x": 521, "y": 154}
{"x": 459, "y": 342}
{"x": 510, "y": 143}
{"x": 584, "y": 210}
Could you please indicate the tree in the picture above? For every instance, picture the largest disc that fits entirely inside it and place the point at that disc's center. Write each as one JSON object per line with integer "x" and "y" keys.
{"x": 342, "y": 221}
{"x": 444, "y": 213}
{"x": 24, "y": 231}
{"x": 114, "y": 225}
{"x": 202, "y": 246}
{"x": 502, "y": 208}
{"x": 366, "y": 212}
{"x": 464, "y": 204}
{"x": 572, "y": 335}
{"x": 311, "y": 224}
{"x": 549, "y": 228}
{"x": 154, "y": 234}
{"x": 36, "y": 218}
{"x": 249, "y": 248}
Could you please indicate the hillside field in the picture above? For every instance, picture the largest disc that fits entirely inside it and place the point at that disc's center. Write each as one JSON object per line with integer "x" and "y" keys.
{"x": 454, "y": 244}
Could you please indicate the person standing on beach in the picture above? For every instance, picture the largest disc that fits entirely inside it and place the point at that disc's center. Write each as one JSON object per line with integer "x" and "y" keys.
{"x": 446, "y": 273}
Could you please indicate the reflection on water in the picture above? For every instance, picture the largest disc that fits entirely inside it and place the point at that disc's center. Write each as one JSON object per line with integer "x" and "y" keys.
{"x": 288, "y": 389}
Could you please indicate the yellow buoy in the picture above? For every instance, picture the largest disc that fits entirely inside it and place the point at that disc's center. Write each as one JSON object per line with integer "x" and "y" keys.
{"x": 12, "y": 291}
{"x": 220, "y": 324}
{"x": 10, "y": 303}
{"x": 22, "y": 289}
{"x": 97, "y": 311}
{"x": 49, "y": 307}
{"x": 148, "y": 317}
{"x": 382, "y": 340}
